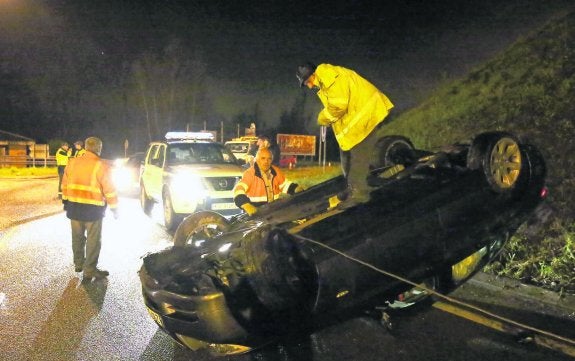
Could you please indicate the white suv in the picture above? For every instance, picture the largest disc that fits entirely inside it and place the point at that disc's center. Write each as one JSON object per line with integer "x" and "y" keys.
{"x": 241, "y": 147}
{"x": 189, "y": 172}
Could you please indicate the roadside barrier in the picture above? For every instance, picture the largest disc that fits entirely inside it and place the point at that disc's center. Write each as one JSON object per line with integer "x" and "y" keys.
{"x": 19, "y": 161}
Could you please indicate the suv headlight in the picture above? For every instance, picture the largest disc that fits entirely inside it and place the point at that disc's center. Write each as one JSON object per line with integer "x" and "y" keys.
{"x": 121, "y": 177}
{"x": 188, "y": 185}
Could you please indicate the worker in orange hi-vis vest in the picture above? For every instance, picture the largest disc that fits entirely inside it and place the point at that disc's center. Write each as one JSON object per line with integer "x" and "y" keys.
{"x": 87, "y": 190}
{"x": 262, "y": 183}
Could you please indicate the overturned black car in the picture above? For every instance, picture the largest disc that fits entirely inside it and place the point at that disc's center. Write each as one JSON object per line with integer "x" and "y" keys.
{"x": 434, "y": 219}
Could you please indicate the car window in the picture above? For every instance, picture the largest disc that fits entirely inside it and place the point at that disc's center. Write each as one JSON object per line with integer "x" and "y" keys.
{"x": 199, "y": 153}
{"x": 238, "y": 147}
{"x": 151, "y": 152}
{"x": 158, "y": 155}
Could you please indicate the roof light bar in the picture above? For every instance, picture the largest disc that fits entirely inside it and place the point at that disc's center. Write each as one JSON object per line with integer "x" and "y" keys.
{"x": 189, "y": 136}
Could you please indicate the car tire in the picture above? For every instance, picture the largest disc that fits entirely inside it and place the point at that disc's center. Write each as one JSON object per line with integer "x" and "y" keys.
{"x": 145, "y": 202}
{"x": 171, "y": 218}
{"x": 499, "y": 157}
{"x": 200, "y": 225}
{"x": 479, "y": 146}
{"x": 392, "y": 150}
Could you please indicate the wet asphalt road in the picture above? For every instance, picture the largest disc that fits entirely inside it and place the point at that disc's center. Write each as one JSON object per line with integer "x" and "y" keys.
{"x": 48, "y": 313}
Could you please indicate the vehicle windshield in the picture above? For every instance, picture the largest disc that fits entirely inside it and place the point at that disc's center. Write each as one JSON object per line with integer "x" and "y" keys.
{"x": 199, "y": 153}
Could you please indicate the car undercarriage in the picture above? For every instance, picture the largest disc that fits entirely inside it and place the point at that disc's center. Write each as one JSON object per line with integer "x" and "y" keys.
{"x": 433, "y": 220}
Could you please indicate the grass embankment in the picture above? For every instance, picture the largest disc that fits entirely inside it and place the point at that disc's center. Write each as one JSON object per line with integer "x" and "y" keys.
{"x": 308, "y": 176}
{"x": 528, "y": 90}
{"x": 28, "y": 172}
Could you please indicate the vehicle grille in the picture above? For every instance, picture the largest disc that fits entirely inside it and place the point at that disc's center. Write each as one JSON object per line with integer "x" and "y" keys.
{"x": 223, "y": 183}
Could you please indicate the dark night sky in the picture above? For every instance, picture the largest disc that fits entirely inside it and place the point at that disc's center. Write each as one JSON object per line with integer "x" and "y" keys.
{"x": 251, "y": 48}
{"x": 242, "y": 39}
{"x": 269, "y": 38}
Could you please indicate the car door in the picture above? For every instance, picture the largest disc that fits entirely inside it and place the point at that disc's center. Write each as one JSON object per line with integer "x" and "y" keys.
{"x": 154, "y": 171}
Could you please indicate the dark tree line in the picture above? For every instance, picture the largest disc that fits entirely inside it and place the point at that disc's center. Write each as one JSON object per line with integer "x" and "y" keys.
{"x": 58, "y": 81}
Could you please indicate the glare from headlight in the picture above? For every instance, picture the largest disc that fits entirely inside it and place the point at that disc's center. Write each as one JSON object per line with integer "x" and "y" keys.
{"x": 188, "y": 185}
{"x": 121, "y": 177}
{"x": 120, "y": 162}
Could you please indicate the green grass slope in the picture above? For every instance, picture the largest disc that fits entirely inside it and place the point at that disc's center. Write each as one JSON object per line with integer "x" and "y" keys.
{"x": 529, "y": 90}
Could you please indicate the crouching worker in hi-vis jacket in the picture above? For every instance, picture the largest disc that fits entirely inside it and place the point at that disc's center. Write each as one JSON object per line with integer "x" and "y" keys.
{"x": 262, "y": 183}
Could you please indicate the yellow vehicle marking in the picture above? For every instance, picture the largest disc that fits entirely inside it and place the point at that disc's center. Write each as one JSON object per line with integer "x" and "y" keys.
{"x": 314, "y": 219}
{"x": 156, "y": 317}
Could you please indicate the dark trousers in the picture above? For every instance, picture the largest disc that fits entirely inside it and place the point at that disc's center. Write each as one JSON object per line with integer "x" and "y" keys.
{"x": 60, "y": 175}
{"x": 86, "y": 244}
{"x": 355, "y": 167}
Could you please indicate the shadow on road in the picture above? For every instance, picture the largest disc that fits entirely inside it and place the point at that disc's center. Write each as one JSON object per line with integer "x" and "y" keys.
{"x": 31, "y": 219}
{"x": 63, "y": 331}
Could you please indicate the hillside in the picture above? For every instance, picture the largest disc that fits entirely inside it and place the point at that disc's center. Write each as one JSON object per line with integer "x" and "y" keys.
{"x": 529, "y": 89}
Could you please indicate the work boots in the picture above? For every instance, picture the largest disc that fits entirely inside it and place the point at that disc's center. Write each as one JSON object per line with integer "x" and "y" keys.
{"x": 97, "y": 273}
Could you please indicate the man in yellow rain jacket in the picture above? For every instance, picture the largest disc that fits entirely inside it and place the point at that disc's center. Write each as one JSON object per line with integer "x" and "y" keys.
{"x": 262, "y": 183}
{"x": 353, "y": 107}
{"x": 87, "y": 190}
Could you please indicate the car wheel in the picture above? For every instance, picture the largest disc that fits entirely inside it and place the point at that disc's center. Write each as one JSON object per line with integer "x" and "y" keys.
{"x": 479, "y": 147}
{"x": 200, "y": 226}
{"x": 171, "y": 218}
{"x": 498, "y": 155}
{"x": 502, "y": 166}
{"x": 392, "y": 150}
{"x": 145, "y": 202}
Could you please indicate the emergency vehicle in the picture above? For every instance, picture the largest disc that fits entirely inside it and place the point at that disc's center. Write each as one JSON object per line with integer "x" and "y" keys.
{"x": 188, "y": 172}
{"x": 241, "y": 147}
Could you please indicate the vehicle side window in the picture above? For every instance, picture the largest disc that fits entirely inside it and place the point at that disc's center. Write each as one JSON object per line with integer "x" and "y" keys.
{"x": 214, "y": 154}
{"x": 158, "y": 155}
{"x": 150, "y": 155}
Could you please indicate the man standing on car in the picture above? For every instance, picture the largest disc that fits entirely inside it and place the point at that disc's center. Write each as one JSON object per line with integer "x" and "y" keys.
{"x": 354, "y": 108}
{"x": 62, "y": 155}
{"x": 262, "y": 183}
{"x": 87, "y": 190}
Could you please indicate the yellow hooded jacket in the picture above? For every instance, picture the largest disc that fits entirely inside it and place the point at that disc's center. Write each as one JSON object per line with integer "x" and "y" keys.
{"x": 352, "y": 105}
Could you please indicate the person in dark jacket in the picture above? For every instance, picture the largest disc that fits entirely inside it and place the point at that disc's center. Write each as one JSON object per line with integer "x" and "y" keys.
{"x": 79, "y": 149}
{"x": 87, "y": 190}
{"x": 264, "y": 142}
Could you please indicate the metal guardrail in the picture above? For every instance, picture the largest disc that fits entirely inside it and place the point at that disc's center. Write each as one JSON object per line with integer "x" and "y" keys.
{"x": 7, "y": 161}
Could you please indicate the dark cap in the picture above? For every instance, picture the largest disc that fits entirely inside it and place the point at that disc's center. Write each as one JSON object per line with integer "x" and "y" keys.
{"x": 304, "y": 71}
